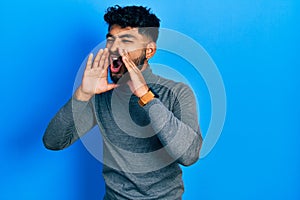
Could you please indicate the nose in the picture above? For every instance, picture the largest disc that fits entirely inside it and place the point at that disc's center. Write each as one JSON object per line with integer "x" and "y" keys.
{"x": 113, "y": 47}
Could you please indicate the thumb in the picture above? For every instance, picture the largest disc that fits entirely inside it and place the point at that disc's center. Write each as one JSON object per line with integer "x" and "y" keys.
{"x": 112, "y": 86}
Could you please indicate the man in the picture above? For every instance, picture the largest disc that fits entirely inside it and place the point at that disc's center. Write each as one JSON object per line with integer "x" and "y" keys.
{"x": 149, "y": 124}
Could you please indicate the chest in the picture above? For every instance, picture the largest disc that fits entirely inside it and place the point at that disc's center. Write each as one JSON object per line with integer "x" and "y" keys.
{"x": 125, "y": 124}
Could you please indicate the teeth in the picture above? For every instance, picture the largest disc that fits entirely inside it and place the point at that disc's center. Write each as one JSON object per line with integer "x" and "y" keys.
{"x": 114, "y": 57}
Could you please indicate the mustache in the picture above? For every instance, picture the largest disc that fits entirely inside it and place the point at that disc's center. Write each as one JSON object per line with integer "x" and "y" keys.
{"x": 139, "y": 61}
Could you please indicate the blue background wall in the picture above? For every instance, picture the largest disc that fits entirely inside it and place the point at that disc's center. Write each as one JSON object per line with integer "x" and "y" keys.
{"x": 255, "y": 45}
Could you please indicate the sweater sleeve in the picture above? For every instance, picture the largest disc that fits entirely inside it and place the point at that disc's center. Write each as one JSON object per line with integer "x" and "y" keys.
{"x": 180, "y": 137}
{"x": 72, "y": 121}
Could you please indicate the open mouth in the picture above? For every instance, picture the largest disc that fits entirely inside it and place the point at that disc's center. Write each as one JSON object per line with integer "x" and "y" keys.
{"x": 116, "y": 63}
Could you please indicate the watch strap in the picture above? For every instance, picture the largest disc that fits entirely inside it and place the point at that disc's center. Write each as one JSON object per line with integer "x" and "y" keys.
{"x": 146, "y": 98}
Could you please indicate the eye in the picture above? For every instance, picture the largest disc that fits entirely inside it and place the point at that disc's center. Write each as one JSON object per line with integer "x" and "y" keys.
{"x": 126, "y": 41}
{"x": 109, "y": 40}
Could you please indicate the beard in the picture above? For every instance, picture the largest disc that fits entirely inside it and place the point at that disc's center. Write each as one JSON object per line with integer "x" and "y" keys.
{"x": 122, "y": 76}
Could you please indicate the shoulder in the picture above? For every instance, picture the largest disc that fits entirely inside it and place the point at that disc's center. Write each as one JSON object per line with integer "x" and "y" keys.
{"x": 178, "y": 89}
{"x": 173, "y": 94}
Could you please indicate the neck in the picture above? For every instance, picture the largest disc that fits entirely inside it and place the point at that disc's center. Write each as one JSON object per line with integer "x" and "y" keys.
{"x": 145, "y": 65}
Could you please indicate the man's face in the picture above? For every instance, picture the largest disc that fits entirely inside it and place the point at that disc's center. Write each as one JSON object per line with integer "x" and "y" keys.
{"x": 128, "y": 39}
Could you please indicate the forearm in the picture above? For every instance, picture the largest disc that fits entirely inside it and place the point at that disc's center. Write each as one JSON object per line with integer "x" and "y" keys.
{"x": 73, "y": 120}
{"x": 180, "y": 140}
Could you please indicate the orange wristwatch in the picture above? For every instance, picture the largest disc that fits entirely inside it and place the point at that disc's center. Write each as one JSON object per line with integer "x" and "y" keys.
{"x": 146, "y": 98}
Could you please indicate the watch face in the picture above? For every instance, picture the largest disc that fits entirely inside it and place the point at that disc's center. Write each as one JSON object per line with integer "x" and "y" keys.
{"x": 146, "y": 98}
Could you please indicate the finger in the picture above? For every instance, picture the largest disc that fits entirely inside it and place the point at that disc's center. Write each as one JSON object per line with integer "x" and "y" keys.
{"x": 121, "y": 52}
{"x": 129, "y": 64}
{"x": 106, "y": 62}
{"x": 130, "y": 61}
{"x": 89, "y": 61}
{"x": 103, "y": 58}
{"x": 105, "y": 67}
{"x": 97, "y": 58}
{"x": 124, "y": 54}
{"x": 111, "y": 86}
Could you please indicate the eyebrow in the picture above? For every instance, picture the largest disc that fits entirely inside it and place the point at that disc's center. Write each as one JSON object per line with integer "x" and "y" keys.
{"x": 109, "y": 35}
{"x": 121, "y": 36}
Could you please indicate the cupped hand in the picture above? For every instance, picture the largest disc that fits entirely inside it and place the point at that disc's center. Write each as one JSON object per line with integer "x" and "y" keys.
{"x": 137, "y": 83}
{"x": 94, "y": 79}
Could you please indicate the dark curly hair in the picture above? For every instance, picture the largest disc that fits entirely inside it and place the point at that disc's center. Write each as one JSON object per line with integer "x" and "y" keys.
{"x": 135, "y": 17}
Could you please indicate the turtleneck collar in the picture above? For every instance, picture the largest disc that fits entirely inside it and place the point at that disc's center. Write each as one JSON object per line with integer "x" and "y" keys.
{"x": 148, "y": 75}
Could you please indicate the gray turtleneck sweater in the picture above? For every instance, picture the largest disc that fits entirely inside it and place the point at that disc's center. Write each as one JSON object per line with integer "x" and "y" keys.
{"x": 142, "y": 146}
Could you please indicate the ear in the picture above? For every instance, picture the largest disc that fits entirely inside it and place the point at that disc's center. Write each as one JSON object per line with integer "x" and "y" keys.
{"x": 150, "y": 50}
